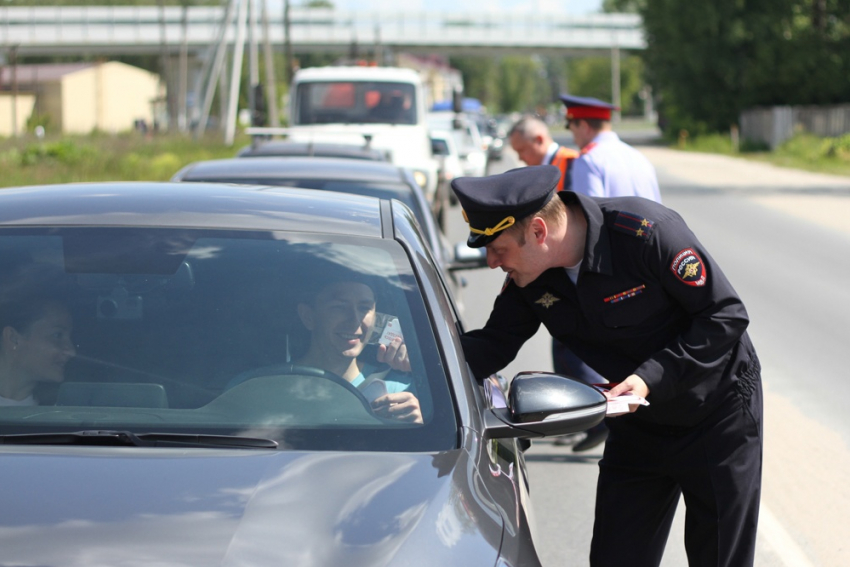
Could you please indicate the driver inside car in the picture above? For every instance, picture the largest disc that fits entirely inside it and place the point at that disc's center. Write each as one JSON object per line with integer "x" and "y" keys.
{"x": 340, "y": 318}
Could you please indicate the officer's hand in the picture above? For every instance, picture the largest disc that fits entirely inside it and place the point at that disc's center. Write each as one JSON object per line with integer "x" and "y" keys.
{"x": 394, "y": 354}
{"x": 634, "y": 384}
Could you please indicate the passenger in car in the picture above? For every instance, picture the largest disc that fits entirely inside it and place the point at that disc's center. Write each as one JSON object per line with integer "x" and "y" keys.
{"x": 340, "y": 318}
{"x": 35, "y": 345}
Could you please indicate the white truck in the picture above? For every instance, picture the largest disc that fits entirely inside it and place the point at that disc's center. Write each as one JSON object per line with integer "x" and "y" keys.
{"x": 382, "y": 107}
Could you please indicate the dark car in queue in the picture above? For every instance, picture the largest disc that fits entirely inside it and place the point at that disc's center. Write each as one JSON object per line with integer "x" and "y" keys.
{"x": 179, "y": 426}
{"x": 286, "y": 148}
{"x": 360, "y": 177}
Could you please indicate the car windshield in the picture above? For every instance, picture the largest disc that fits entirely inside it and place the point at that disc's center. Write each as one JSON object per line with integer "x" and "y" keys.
{"x": 356, "y": 102}
{"x": 218, "y": 333}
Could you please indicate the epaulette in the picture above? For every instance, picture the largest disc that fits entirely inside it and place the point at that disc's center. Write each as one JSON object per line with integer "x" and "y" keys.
{"x": 635, "y": 225}
{"x": 586, "y": 150}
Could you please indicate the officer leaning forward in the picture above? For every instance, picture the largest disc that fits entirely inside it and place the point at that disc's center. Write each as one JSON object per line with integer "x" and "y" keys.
{"x": 629, "y": 288}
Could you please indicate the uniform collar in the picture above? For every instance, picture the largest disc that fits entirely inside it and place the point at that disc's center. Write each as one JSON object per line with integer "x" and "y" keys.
{"x": 606, "y": 136}
{"x": 597, "y": 247}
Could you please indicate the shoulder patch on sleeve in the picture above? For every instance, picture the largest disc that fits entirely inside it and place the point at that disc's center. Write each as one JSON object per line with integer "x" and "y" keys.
{"x": 689, "y": 268}
{"x": 633, "y": 224}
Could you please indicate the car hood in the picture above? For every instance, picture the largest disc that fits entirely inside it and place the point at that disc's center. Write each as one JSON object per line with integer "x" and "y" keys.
{"x": 128, "y": 506}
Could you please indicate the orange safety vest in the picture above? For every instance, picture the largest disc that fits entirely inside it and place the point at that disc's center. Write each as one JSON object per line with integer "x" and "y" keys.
{"x": 563, "y": 160}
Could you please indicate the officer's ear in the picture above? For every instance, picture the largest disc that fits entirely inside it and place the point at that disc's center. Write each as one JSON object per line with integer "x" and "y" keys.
{"x": 538, "y": 230}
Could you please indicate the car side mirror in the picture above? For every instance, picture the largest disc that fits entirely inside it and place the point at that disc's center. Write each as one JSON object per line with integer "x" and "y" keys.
{"x": 466, "y": 258}
{"x": 542, "y": 404}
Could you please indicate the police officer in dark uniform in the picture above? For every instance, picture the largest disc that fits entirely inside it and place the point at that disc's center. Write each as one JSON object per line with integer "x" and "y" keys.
{"x": 626, "y": 285}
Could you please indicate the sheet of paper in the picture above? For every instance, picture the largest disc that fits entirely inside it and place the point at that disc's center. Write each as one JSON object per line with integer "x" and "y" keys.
{"x": 620, "y": 404}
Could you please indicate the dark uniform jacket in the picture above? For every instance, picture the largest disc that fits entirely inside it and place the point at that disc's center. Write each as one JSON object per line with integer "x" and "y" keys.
{"x": 649, "y": 300}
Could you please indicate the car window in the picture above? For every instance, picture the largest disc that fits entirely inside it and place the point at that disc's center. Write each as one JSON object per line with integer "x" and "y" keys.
{"x": 439, "y": 147}
{"x": 206, "y": 332}
{"x": 352, "y": 102}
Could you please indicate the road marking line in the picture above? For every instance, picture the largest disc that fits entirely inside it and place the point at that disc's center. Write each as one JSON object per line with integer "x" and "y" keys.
{"x": 780, "y": 541}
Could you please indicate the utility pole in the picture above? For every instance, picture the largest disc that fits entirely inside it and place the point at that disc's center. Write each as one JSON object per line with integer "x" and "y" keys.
{"x": 246, "y": 14}
{"x": 271, "y": 87}
{"x": 13, "y": 59}
{"x": 236, "y": 74}
{"x": 215, "y": 72}
{"x": 287, "y": 43}
{"x": 184, "y": 70}
{"x": 253, "y": 60}
{"x": 615, "y": 80}
{"x": 166, "y": 66}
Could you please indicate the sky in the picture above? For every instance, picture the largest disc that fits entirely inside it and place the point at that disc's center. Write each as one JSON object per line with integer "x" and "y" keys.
{"x": 576, "y": 7}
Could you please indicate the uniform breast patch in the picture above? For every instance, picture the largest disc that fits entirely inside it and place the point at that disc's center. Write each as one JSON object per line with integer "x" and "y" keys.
{"x": 635, "y": 225}
{"x": 689, "y": 268}
{"x": 617, "y": 297}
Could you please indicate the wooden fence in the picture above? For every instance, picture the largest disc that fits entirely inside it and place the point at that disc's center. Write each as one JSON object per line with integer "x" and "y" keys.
{"x": 776, "y": 124}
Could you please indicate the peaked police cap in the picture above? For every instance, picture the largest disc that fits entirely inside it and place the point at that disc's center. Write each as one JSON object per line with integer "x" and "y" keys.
{"x": 494, "y": 203}
{"x": 587, "y": 107}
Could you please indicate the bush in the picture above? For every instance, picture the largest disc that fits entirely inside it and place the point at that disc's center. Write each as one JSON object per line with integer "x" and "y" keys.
{"x": 105, "y": 157}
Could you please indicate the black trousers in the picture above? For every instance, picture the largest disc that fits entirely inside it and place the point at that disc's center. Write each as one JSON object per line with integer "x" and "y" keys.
{"x": 716, "y": 466}
{"x": 564, "y": 361}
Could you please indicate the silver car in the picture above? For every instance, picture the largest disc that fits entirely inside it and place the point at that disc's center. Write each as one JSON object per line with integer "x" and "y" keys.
{"x": 168, "y": 393}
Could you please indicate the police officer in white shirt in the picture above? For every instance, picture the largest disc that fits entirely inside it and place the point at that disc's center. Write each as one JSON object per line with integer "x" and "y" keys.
{"x": 607, "y": 166}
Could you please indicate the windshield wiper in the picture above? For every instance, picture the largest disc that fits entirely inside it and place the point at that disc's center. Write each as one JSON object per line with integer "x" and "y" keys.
{"x": 113, "y": 438}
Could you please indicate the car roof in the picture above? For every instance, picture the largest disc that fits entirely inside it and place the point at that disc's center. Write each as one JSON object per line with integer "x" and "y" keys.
{"x": 311, "y": 149}
{"x": 342, "y": 73}
{"x": 295, "y": 167}
{"x": 191, "y": 205}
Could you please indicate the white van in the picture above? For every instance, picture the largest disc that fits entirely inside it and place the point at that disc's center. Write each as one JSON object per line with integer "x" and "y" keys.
{"x": 381, "y": 107}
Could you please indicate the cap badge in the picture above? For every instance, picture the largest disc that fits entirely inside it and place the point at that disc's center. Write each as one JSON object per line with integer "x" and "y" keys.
{"x": 547, "y": 300}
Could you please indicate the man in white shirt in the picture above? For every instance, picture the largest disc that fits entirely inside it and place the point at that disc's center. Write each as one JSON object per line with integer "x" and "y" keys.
{"x": 607, "y": 166}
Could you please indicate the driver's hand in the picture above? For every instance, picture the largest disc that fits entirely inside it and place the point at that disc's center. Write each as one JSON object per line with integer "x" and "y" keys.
{"x": 402, "y": 406}
{"x": 394, "y": 354}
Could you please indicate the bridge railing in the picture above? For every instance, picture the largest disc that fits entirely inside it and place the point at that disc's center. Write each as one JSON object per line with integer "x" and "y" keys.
{"x": 42, "y": 28}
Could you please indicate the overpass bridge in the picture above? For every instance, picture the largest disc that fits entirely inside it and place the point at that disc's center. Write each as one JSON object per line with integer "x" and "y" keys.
{"x": 122, "y": 30}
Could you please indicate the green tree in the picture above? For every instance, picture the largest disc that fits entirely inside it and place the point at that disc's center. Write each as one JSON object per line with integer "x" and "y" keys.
{"x": 707, "y": 61}
{"x": 591, "y": 76}
{"x": 523, "y": 84}
{"x": 506, "y": 84}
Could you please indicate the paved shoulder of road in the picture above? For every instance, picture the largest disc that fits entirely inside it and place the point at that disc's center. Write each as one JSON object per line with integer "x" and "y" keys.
{"x": 696, "y": 169}
{"x": 805, "y": 498}
{"x": 818, "y": 198}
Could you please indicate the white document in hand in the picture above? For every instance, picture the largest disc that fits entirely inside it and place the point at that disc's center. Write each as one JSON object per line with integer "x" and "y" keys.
{"x": 620, "y": 404}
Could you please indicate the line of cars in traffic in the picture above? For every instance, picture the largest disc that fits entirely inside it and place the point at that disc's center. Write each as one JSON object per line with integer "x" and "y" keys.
{"x": 161, "y": 333}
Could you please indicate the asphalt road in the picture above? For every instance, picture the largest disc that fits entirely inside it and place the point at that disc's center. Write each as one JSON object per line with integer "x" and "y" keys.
{"x": 782, "y": 238}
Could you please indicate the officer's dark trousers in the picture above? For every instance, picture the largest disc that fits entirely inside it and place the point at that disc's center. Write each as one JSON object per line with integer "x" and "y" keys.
{"x": 564, "y": 361}
{"x": 716, "y": 466}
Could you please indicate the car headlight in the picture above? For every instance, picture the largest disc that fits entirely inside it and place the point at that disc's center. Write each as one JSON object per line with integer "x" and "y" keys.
{"x": 421, "y": 178}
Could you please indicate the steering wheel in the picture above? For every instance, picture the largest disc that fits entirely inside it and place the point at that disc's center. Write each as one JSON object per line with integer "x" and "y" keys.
{"x": 302, "y": 370}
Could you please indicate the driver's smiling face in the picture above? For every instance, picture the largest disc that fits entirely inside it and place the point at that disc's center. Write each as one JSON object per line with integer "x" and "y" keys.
{"x": 342, "y": 318}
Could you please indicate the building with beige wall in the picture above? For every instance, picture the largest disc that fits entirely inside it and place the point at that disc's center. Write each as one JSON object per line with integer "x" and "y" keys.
{"x": 15, "y": 109}
{"x": 79, "y": 98}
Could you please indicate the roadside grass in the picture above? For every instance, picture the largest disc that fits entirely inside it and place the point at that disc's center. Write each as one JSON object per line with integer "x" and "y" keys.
{"x": 104, "y": 157}
{"x": 803, "y": 151}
